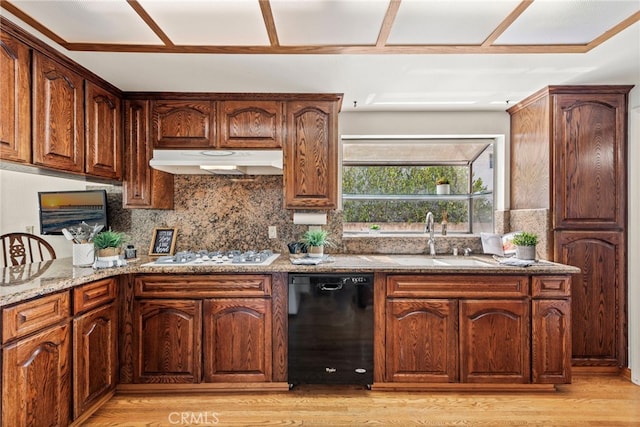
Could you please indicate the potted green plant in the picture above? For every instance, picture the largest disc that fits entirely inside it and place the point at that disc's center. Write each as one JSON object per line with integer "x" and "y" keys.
{"x": 108, "y": 244}
{"x": 442, "y": 186}
{"x": 525, "y": 244}
{"x": 374, "y": 228}
{"x": 315, "y": 241}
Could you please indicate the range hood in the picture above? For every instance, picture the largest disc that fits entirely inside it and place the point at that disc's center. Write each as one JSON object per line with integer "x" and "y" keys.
{"x": 219, "y": 162}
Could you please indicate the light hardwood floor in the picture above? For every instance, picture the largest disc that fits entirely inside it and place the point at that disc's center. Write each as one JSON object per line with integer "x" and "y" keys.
{"x": 590, "y": 401}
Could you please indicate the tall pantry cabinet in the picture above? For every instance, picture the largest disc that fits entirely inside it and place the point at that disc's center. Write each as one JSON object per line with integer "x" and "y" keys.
{"x": 568, "y": 155}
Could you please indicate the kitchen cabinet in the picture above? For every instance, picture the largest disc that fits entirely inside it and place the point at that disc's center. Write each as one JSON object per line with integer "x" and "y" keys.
{"x": 143, "y": 187}
{"x": 494, "y": 341}
{"x": 36, "y": 362}
{"x": 472, "y": 329}
{"x": 103, "y": 132}
{"x": 425, "y": 343}
{"x": 58, "y": 136}
{"x": 95, "y": 338}
{"x": 598, "y": 295}
{"x": 237, "y": 334}
{"x": 250, "y": 124}
{"x": 15, "y": 102}
{"x": 568, "y": 157}
{"x": 183, "y": 124}
{"x": 205, "y": 329}
{"x": 167, "y": 338}
{"x": 311, "y": 155}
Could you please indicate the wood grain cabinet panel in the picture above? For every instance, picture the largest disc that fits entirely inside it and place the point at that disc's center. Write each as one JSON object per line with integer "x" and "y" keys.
{"x": 589, "y": 161}
{"x": 422, "y": 340}
{"x": 15, "y": 101}
{"x": 58, "y": 116}
{"x": 36, "y": 379}
{"x": 311, "y": 155}
{"x": 143, "y": 187}
{"x": 250, "y": 124}
{"x": 494, "y": 341}
{"x": 167, "y": 341}
{"x": 103, "y": 132}
{"x": 237, "y": 336}
{"x": 27, "y": 317}
{"x": 598, "y": 295}
{"x": 183, "y": 124}
{"x": 95, "y": 358}
{"x": 551, "y": 343}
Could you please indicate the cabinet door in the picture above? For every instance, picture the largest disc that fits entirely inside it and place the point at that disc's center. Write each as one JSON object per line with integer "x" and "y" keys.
{"x": 15, "y": 102}
{"x": 551, "y": 352}
{"x": 167, "y": 339}
{"x": 95, "y": 360}
{"x": 598, "y": 295}
{"x": 36, "y": 387}
{"x": 143, "y": 186}
{"x": 237, "y": 339}
{"x": 183, "y": 124}
{"x": 103, "y": 132}
{"x": 250, "y": 124}
{"x": 589, "y": 164}
{"x": 58, "y": 137}
{"x": 422, "y": 340}
{"x": 311, "y": 155}
{"x": 494, "y": 341}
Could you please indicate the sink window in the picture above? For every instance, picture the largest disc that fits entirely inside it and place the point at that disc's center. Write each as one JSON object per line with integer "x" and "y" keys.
{"x": 392, "y": 182}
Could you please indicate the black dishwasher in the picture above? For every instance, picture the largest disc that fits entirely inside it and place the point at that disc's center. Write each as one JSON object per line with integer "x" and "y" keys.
{"x": 330, "y": 329}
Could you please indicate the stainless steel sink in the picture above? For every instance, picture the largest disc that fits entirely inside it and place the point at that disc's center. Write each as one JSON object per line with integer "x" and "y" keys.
{"x": 427, "y": 261}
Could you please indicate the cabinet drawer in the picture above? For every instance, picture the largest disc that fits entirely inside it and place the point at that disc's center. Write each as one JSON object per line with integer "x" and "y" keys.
{"x": 551, "y": 287}
{"x": 93, "y": 294}
{"x": 198, "y": 286}
{"x": 446, "y": 286}
{"x": 24, "y": 318}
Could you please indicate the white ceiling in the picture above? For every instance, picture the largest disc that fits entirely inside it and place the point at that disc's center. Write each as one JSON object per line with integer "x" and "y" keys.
{"x": 285, "y": 50}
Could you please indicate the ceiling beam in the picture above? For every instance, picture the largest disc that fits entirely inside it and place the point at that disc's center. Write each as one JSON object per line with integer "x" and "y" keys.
{"x": 269, "y": 23}
{"x": 27, "y": 19}
{"x": 615, "y": 30}
{"x": 506, "y": 22}
{"x": 150, "y": 22}
{"x": 387, "y": 22}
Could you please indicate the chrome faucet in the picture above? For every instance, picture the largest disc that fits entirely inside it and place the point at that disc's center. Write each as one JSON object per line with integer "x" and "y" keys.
{"x": 430, "y": 228}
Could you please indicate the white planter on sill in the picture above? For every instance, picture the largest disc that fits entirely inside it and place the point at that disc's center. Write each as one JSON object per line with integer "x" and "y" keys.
{"x": 443, "y": 189}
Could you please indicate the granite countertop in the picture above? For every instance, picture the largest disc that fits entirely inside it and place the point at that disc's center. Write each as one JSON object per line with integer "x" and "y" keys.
{"x": 23, "y": 282}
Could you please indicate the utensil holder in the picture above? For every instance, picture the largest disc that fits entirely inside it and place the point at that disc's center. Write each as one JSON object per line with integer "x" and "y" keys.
{"x": 83, "y": 254}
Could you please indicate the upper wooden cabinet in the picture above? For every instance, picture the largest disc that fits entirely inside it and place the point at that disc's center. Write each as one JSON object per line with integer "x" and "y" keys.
{"x": 58, "y": 137}
{"x": 103, "y": 131}
{"x": 15, "y": 102}
{"x": 143, "y": 186}
{"x": 311, "y": 155}
{"x": 250, "y": 124}
{"x": 567, "y": 154}
{"x": 183, "y": 124}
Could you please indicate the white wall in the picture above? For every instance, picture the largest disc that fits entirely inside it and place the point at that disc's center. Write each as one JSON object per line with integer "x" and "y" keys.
{"x": 633, "y": 233}
{"x": 19, "y": 204}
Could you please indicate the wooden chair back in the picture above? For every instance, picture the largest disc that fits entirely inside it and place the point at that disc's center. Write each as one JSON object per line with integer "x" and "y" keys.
{"x": 25, "y": 248}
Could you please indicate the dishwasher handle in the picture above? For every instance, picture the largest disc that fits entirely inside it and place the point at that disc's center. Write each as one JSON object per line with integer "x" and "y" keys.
{"x": 330, "y": 286}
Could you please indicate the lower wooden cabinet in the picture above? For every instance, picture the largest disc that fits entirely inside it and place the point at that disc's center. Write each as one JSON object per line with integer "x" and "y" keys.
{"x": 167, "y": 337}
{"x": 95, "y": 359}
{"x": 424, "y": 343}
{"x": 237, "y": 336}
{"x": 478, "y": 330}
{"x": 36, "y": 379}
{"x": 494, "y": 341}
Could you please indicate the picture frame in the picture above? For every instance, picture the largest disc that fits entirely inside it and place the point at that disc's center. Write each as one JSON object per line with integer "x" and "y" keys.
{"x": 163, "y": 241}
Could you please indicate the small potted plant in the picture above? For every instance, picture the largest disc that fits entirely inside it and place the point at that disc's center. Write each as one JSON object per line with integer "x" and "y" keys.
{"x": 108, "y": 244}
{"x": 442, "y": 186}
{"x": 315, "y": 241}
{"x": 374, "y": 228}
{"x": 525, "y": 244}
